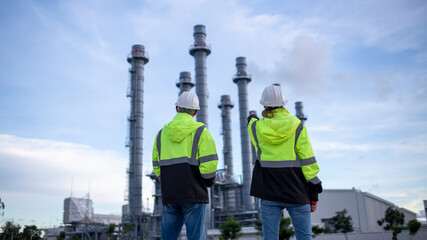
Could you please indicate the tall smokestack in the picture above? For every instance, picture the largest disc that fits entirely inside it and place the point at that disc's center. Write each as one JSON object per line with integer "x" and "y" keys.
{"x": 226, "y": 106}
{"x": 185, "y": 83}
{"x": 137, "y": 60}
{"x": 242, "y": 78}
{"x": 300, "y": 115}
{"x": 200, "y": 50}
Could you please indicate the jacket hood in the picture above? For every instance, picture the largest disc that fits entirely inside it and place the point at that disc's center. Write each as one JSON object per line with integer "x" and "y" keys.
{"x": 180, "y": 127}
{"x": 280, "y": 127}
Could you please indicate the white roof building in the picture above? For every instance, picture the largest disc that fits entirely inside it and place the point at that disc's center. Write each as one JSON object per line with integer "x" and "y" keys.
{"x": 364, "y": 208}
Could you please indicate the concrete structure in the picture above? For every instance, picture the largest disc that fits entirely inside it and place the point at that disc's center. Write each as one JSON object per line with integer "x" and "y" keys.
{"x": 242, "y": 78}
{"x": 226, "y": 105}
{"x": 365, "y": 208}
{"x": 155, "y": 228}
{"x": 185, "y": 83}
{"x": 200, "y": 50}
{"x": 107, "y": 219}
{"x": 137, "y": 59}
{"x": 78, "y": 210}
{"x": 299, "y": 114}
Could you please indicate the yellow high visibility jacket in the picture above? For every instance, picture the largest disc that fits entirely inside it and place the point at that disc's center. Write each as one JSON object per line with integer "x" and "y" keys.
{"x": 286, "y": 168}
{"x": 185, "y": 159}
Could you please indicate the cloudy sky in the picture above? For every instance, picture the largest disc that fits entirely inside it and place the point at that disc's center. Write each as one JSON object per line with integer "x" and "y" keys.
{"x": 360, "y": 67}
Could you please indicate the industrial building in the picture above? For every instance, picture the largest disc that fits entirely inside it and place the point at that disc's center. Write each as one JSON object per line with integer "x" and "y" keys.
{"x": 364, "y": 208}
{"x": 80, "y": 220}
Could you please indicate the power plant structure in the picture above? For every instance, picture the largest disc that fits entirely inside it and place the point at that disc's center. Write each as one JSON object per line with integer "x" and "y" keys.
{"x": 230, "y": 194}
{"x": 227, "y": 192}
{"x": 226, "y": 105}
{"x": 155, "y": 226}
{"x": 242, "y": 78}
{"x": 200, "y": 50}
{"x": 133, "y": 212}
{"x": 184, "y": 83}
{"x": 299, "y": 114}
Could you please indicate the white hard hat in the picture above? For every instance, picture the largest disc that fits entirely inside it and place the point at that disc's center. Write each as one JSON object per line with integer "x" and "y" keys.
{"x": 188, "y": 100}
{"x": 272, "y": 96}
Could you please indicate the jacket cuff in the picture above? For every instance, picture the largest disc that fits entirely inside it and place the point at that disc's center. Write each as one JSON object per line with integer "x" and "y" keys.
{"x": 252, "y": 116}
{"x": 314, "y": 190}
{"x": 208, "y": 181}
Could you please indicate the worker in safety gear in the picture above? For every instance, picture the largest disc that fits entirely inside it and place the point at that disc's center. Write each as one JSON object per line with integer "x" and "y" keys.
{"x": 185, "y": 160}
{"x": 285, "y": 171}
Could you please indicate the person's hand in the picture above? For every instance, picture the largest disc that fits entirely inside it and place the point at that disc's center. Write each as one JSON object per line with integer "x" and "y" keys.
{"x": 313, "y": 206}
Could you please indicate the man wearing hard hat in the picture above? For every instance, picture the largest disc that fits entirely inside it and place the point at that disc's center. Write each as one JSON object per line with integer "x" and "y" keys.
{"x": 185, "y": 160}
{"x": 285, "y": 171}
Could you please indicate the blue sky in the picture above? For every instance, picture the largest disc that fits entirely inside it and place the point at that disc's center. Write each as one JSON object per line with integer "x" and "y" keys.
{"x": 360, "y": 67}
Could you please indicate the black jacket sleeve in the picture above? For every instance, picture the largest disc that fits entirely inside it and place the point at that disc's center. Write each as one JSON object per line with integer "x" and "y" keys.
{"x": 209, "y": 182}
{"x": 252, "y": 116}
{"x": 314, "y": 190}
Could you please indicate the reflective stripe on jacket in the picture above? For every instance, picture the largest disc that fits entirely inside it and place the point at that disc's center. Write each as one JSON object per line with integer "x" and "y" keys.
{"x": 185, "y": 159}
{"x": 285, "y": 160}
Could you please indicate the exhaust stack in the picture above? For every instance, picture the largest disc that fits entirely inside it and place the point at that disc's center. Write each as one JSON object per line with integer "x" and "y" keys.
{"x": 200, "y": 50}
{"x": 300, "y": 115}
{"x": 137, "y": 59}
{"x": 242, "y": 78}
{"x": 226, "y": 105}
{"x": 185, "y": 83}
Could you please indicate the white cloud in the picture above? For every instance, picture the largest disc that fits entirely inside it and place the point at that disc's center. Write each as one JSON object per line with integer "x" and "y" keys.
{"x": 46, "y": 170}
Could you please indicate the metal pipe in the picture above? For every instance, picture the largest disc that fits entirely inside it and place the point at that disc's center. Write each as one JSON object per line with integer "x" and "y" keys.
{"x": 200, "y": 50}
{"x": 226, "y": 105}
{"x": 137, "y": 60}
{"x": 185, "y": 83}
{"x": 299, "y": 114}
{"x": 242, "y": 78}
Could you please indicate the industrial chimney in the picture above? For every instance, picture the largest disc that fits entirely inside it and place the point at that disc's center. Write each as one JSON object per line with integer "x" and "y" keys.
{"x": 300, "y": 115}
{"x": 137, "y": 59}
{"x": 199, "y": 50}
{"x": 242, "y": 78}
{"x": 185, "y": 83}
{"x": 226, "y": 105}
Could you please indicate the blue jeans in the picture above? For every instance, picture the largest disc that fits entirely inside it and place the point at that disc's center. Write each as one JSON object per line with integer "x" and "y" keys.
{"x": 271, "y": 212}
{"x": 176, "y": 214}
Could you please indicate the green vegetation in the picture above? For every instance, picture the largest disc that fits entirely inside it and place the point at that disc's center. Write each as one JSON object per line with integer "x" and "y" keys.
{"x": 394, "y": 219}
{"x": 231, "y": 229}
{"x": 342, "y": 223}
{"x": 11, "y": 230}
{"x": 413, "y": 226}
{"x": 316, "y": 230}
{"x": 285, "y": 231}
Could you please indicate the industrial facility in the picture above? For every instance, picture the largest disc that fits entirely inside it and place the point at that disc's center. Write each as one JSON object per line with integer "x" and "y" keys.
{"x": 229, "y": 196}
